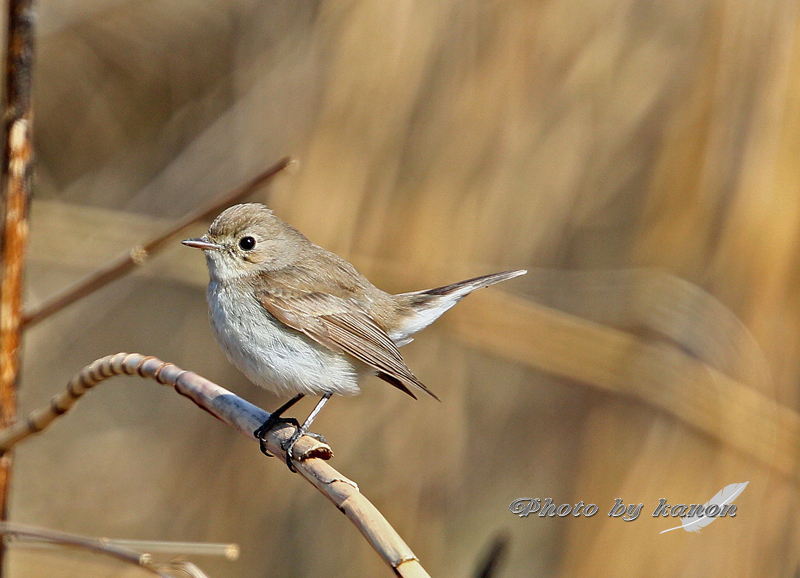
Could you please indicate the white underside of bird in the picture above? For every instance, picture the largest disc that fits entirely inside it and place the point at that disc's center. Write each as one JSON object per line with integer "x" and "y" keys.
{"x": 280, "y": 360}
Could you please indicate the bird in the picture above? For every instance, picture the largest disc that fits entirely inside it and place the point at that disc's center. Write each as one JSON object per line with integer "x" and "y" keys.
{"x": 298, "y": 320}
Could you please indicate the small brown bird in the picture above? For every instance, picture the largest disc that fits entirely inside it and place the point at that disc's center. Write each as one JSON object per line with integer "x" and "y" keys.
{"x": 298, "y": 320}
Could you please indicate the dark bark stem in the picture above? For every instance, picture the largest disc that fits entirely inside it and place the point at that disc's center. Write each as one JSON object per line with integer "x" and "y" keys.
{"x": 18, "y": 159}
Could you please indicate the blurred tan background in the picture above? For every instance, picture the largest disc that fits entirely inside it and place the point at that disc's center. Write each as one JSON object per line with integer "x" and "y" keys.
{"x": 642, "y": 159}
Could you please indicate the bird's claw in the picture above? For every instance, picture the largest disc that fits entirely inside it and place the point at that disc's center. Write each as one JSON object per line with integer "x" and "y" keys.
{"x": 316, "y": 436}
{"x": 265, "y": 427}
{"x": 288, "y": 445}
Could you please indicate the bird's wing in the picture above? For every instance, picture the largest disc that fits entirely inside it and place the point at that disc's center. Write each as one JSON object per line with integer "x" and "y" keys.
{"x": 341, "y": 325}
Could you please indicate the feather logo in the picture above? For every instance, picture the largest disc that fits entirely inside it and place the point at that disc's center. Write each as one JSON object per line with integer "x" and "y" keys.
{"x": 700, "y": 520}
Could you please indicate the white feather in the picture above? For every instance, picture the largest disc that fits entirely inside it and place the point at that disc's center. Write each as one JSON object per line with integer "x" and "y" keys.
{"x": 724, "y": 497}
{"x": 278, "y": 359}
{"x": 419, "y": 320}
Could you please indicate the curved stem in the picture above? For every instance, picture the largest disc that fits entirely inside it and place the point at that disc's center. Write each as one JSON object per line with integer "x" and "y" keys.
{"x": 310, "y": 454}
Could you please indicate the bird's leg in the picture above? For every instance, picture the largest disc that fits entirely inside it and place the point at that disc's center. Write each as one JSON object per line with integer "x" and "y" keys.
{"x": 273, "y": 419}
{"x": 303, "y": 430}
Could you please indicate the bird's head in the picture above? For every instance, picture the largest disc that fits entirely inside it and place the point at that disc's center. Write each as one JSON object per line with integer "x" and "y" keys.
{"x": 247, "y": 239}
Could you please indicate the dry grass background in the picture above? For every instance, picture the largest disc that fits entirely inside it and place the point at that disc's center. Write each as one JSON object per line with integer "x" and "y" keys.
{"x": 437, "y": 140}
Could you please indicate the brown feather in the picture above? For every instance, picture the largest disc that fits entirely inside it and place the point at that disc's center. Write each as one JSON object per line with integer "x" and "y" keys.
{"x": 343, "y": 326}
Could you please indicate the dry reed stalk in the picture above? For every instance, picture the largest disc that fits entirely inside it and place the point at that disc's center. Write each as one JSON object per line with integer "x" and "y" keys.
{"x": 244, "y": 417}
{"x": 139, "y": 254}
{"x": 17, "y": 167}
{"x": 100, "y": 546}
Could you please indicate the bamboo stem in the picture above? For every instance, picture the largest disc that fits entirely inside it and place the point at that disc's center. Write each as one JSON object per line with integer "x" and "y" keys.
{"x": 18, "y": 157}
{"x": 243, "y": 416}
{"x": 139, "y": 254}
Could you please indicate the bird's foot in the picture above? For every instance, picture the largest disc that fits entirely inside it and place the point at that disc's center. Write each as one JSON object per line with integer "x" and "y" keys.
{"x": 288, "y": 445}
{"x": 273, "y": 420}
{"x": 316, "y": 436}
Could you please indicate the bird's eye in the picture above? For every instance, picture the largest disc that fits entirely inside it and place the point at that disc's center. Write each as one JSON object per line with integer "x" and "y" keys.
{"x": 247, "y": 243}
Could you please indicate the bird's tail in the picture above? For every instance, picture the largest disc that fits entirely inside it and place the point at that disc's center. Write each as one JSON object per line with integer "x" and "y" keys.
{"x": 463, "y": 288}
{"x": 426, "y": 306}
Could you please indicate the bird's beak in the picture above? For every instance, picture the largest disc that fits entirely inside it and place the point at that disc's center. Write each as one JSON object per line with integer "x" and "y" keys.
{"x": 202, "y": 243}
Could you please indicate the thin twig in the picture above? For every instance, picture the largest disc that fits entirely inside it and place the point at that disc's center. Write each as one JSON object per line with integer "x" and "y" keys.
{"x": 244, "y": 417}
{"x": 227, "y": 551}
{"x": 95, "y": 545}
{"x": 17, "y": 165}
{"x": 141, "y": 253}
{"x": 164, "y": 547}
{"x": 100, "y": 545}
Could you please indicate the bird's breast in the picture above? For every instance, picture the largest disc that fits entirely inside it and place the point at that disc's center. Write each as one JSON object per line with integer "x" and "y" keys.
{"x": 271, "y": 354}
